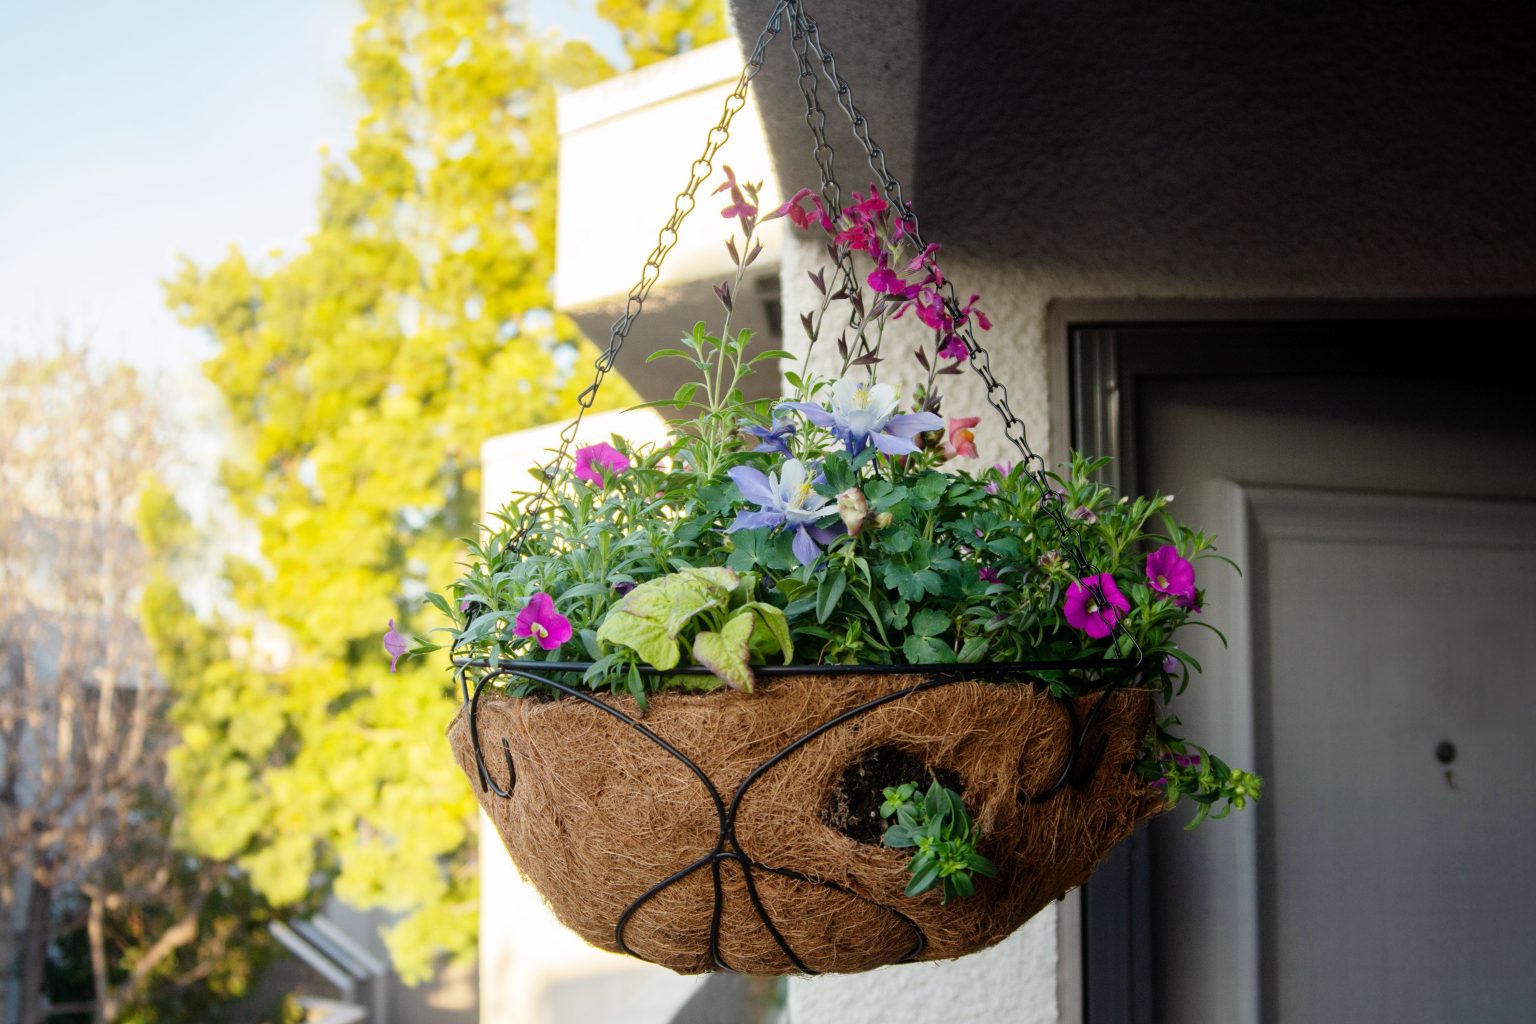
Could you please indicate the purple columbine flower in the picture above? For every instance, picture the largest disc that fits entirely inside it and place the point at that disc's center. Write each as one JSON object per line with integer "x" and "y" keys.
{"x": 1094, "y": 605}
{"x": 772, "y": 438}
{"x": 1171, "y": 575}
{"x": 787, "y": 498}
{"x": 395, "y": 645}
{"x": 864, "y": 413}
{"x": 600, "y": 456}
{"x": 539, "y": 620}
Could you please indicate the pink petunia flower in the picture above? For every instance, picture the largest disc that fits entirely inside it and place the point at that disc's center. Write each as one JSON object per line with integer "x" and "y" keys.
{"x": 1094, "y": 605}
{"x": 961, "y": 440}
{"x": 395, "y": 645}
{"x": 1171, "y": 575}
{"x": 600, "y": 456}
{"x": 539, "y": 620}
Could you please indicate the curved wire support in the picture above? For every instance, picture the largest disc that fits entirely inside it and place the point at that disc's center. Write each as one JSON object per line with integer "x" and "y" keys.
{"x": 728, "y": 847}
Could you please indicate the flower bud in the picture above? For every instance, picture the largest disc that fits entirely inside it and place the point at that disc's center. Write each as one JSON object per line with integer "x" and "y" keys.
{"x": 853, "y": 507}
{"x": 883, "y": 519}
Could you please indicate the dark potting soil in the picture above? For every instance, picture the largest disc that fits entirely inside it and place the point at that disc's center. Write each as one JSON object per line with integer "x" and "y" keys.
{"x": 854, "y": 807}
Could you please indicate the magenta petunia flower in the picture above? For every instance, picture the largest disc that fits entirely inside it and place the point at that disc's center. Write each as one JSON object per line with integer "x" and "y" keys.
{"x": 1171, "y": 575}
{"x": 1094, "y": 605}
{"x": 539, "y": 620}
{"x": 600, "y": 456}
{"x": 395, "y": 645}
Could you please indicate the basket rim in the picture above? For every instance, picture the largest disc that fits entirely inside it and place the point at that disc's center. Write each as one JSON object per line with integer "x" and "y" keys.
{"x": 779, "y": 671}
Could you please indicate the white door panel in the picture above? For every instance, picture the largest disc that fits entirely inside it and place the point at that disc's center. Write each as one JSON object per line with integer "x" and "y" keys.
{"x": 1370, "y": 628}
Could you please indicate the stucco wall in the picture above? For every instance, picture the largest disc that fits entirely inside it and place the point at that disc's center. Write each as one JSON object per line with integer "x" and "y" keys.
{"x": 1070, "y": 149}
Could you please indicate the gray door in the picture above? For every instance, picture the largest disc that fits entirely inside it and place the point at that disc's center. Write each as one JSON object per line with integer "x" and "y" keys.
{"x": 1383, "y": 628}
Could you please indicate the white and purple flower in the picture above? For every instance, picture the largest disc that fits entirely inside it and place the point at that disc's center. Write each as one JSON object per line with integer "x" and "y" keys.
{"x": 787, "y": 498}
{"x": 864, "y": 413}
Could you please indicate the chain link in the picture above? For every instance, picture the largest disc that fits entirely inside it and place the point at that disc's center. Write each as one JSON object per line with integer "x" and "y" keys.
{"x": 666, "y": 238}
{"x": 823, "y": 153}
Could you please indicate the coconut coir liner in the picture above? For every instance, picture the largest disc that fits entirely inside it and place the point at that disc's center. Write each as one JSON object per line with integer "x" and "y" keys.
{"x": 599, "y": 814}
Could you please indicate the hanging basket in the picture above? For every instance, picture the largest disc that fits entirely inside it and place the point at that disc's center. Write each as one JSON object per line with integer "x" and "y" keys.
{"x": 732, "y": 831}
{"x": 710, "y": 833}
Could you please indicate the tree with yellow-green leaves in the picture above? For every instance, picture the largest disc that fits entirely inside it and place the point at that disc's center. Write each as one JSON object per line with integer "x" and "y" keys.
{"x": 654, "y": 30}
{"x": 361, "y": 375}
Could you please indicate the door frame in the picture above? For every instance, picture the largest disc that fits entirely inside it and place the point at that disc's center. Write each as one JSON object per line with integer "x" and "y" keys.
{"x": 1098, "y": 351}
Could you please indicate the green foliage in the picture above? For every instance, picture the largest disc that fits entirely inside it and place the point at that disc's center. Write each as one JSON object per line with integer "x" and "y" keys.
{"x": 1186, "y": 771}
{"x": 937, "y": 826}
{"x": 911, "y": 591}
{"x": 655, "y": 29}
{"x": 656, "y": 620}
{"x": 361, "y": 374}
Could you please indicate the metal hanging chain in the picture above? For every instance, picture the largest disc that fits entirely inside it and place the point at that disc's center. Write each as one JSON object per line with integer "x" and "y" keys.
{"x": 666, "y": 238}
{"x": 1034, "y": 464}
{"x": 806, "y": 39}
{"x": 822, "y": 152}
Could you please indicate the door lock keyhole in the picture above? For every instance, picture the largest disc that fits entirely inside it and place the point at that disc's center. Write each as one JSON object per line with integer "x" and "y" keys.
{"x": 1445, "y": 753}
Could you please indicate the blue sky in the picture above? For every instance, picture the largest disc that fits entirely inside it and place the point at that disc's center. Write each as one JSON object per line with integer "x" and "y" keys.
{"x": 132, "y": 132}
